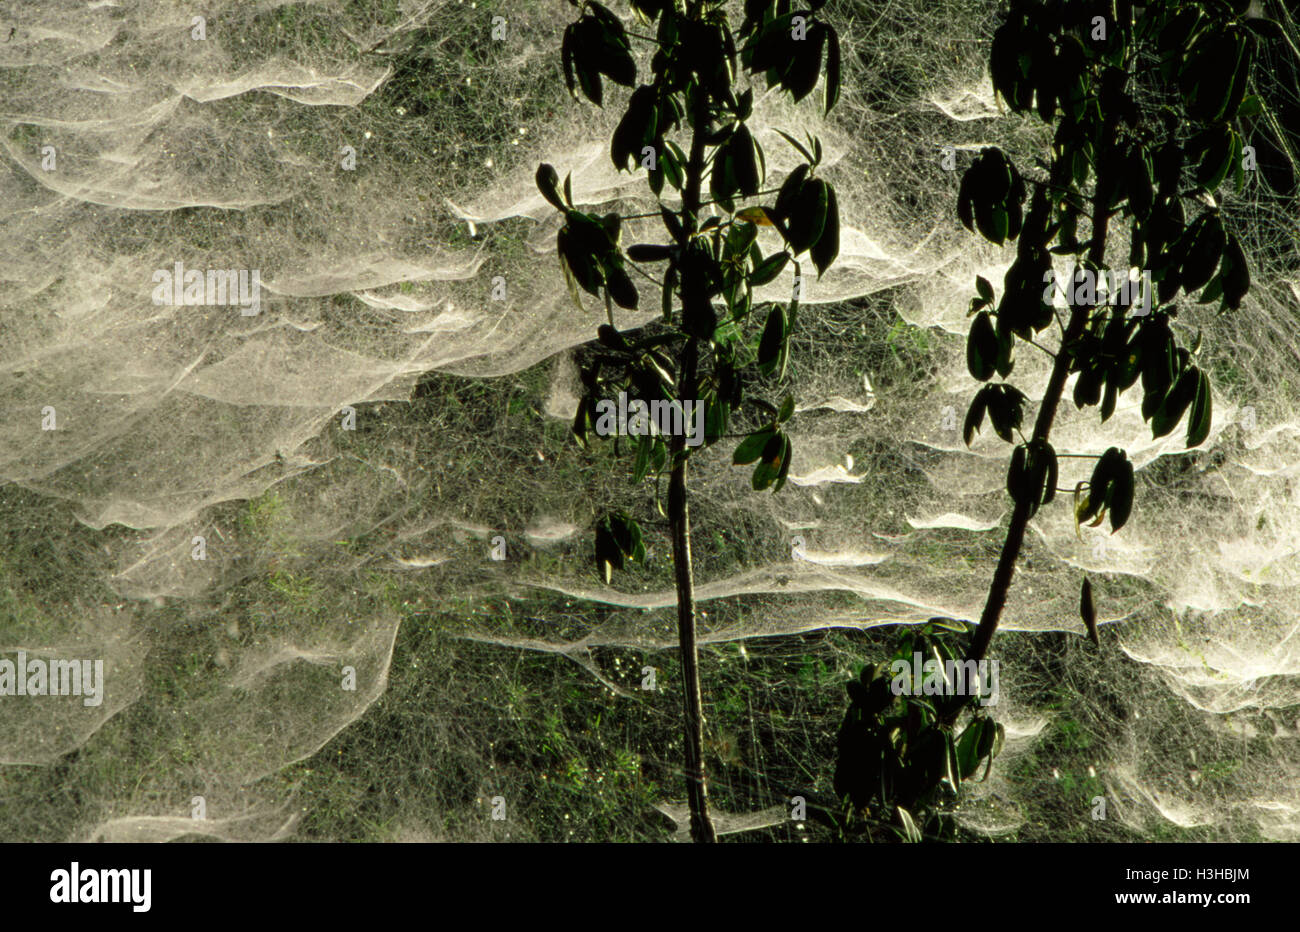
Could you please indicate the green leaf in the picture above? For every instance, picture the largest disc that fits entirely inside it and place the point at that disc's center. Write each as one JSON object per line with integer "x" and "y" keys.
{"x": 784, "y": 469}
{"x": 649, "y": 252}
{"x": 808, "y": 216}
{"x": 582, "y": 421}
{"x": 769, "y": 269}
{"x": 765, "y": 474}
{"x": 1198, "y": 421}
{"x": 578, "y": 263}
{"x": 832, "y": 68}
{"x": 1006, "y": 410}
{"x": 1088, "y": 612}
{"x": 789, "y": 196}
{"x": 983, "y": 288}
{"x": 641, "y": 467}
{"x": 1172, "y": 408}
{"x": 787, "y": 410}
{"x": 988, "y": 744}
{"x": 548, "y": 182}
{"x": 806, "y": 65}
{"x": 981, "y": 348}
{"x": 769, "y": 347}
{"x": 609, "y": 336}
{"x": 1206, "y": 245}
{"x": 1119, "y": 495}
{"x": 1251, "y": 106}
{"x": 1236, "y": 276}
{"x": 1087, "y": 388}
{"x": 966, "y": 200}
{"x": 740, "y": 155}
{"x": 620, "y": 287}
{"x": 1217, "y": 160}
{"x": 910, "y": 832}
{"x": 774, "y": 450}
{"x": 609, "y": 556}
{"x": 798, "y": 145}
{"x": 827, "y": 247}
{"x": 968, "y": 759}
{"x": 975, "y": 414}
{"x": 751, "y": 448}
{"x": 673, "y": 224}
{"x": 770, "y": 49}
{"x": 592, "y": 86}
{"x": 1045, "y": 470}
{"x": 1019, "y": 485}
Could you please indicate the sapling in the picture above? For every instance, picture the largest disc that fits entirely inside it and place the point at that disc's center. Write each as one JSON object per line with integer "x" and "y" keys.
{"x": 713, "y": 346}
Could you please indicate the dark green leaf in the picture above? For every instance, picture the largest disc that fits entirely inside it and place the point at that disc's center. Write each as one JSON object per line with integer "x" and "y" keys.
{"x": 789, "y": 195}
{"x": 1172, "y": 408}
{"x": 751, "y": 447}
{"x": 1217, "y": 160}
{"x": 808, "y": 216}
{"x": 620, "y": 287}
{"x": 975, "y": 415}
{"x": 769, "y": 269}
{"x": 1088, "y": 612}
{"x": 649, "y": 252}
{"x": 981, "y": 348}
{"x": 1205, "y": 248}
{"x": 832, "y": 68}
{"x": 797, "y": 145}
{"x": 1006, "y": 410}
{"x": 806, "y": 65}
{"x": 827, "y": 247}
{"x": 1119, "y": 496}
{"x": 1236, "y": 276}
{"x": 1198, "y": 421}
{"x": 740, "y": 153}
{"x": 769, "y": 347}
{"x": 548, "y": 182}
{"x": 784, "y": 469}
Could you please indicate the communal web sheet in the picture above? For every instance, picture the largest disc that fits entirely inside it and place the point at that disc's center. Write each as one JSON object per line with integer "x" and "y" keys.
{"x": 277, "y": 519}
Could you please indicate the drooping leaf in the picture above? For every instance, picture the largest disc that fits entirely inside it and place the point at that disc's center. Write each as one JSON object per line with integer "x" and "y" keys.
{"x": 620, "y": 287}
{"x": 832, "y": 68}
{"x": 751, "y": 448}
{"x": 769, "y": 269}
{"x": 790, "y": 194}
{"x": 1088, "y": 612}
{"x": 981, "y": 348}
{"x": 548, "y": 182}
{"x": 827, "y": 247}
{"x": 808, "y": 215}
{"x": 1175, "y": 404}
{"x": 975, "y": 415}
{"x": 769, "y": 347}
{"x": 1236, "y": 276}
{"x": 1120, "y": 494}
{"x": 1198, "y": 420}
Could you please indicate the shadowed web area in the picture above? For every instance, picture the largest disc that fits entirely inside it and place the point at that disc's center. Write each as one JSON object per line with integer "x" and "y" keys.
{"x": 278, "y": 529}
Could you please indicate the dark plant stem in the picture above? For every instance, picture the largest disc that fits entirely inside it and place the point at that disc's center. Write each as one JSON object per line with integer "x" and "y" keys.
{"x": 679, "y": 517}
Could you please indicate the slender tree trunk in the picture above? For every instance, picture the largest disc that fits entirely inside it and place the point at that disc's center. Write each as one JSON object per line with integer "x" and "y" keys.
{"x": 679, "y": 517}
{"x": 1079, "y": 314}
{"x": 697, "y": 790}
